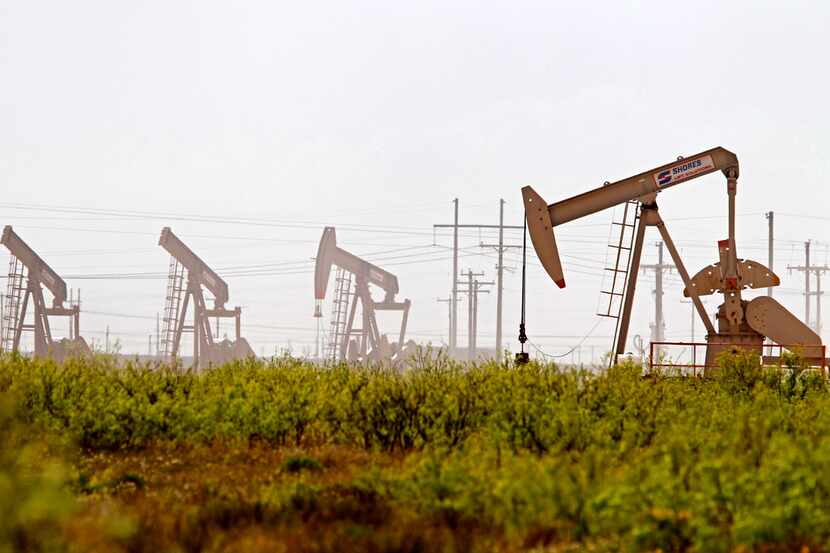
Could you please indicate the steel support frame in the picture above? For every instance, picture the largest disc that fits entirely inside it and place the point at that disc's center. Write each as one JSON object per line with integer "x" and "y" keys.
{"x": 203, "y": 338}
{"x": 40, "y": 326}
{"x": 650, "y": 216}
{"x": 369, "y": 335}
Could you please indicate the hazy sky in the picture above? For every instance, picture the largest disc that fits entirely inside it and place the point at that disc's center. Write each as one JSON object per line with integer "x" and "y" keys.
{"x": 248, "y": 126}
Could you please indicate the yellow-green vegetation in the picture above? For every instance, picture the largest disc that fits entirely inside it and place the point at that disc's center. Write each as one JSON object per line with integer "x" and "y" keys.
{"x": 287, "y": 456}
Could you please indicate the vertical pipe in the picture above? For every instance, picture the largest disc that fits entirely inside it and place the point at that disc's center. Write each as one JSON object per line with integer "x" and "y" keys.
{"x": 454, "y": 319}
{"x": 732, "y": 188}
{"x": 770, "y": 217}
{"x": 501, "y": 281}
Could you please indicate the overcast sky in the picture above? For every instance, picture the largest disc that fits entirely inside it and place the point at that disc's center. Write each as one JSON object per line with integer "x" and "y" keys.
{"x": 248, "y": 126}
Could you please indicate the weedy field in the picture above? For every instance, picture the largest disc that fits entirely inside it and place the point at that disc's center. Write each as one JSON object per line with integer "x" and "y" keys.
{"x": 287, "y": 456}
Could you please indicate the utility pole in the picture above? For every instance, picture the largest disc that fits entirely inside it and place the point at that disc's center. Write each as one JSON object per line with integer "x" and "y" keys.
{"x": 500, "y": 248}
{"x": 473, "y": 289}
{"x": 818, "y": 301}
{"x": 453, "y": 339}
{"x": 500, "y": 276}
{"x": 770, "y": 217}
{"x": 477, "y": 284}
{"x": 108, "y": 339}
{"x": 500, "y": 267}
{"x": 449, "y": 303}
{"x": 150, "y": 345}
{"x": 818, "y": 270}
{"x": 807, "y": 269}
{"x": 659, "y": 326}
{"x": 807, "y": 283}
{"x": 694, "y": 315}
{"x": 71, "y": 297}
{"x": 477, "y": 289}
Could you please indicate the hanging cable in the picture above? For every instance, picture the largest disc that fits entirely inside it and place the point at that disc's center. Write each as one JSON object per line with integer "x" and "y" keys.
{"x": 523, "y": 357}
{"x": 570, "y": 351}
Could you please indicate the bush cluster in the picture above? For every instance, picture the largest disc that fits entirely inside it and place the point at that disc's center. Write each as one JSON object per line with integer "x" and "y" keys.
{"x": 615, "y": 459}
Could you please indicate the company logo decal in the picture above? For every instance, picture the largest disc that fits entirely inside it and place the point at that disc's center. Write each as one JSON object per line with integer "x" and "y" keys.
{"x": 684, "y": 170}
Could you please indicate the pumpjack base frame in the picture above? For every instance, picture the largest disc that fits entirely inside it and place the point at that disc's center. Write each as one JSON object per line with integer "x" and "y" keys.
{"x": 769, "y": 355}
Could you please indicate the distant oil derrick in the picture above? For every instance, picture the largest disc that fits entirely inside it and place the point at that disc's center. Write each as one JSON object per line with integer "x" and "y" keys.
{"x": 353, "y": 278}
{"x": 188, "y": 278}
{"x": 28, "y": 275}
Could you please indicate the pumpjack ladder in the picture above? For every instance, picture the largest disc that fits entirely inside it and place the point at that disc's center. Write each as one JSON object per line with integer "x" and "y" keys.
{"x": 339, "y": 311}
{"x": 621, "y": 252}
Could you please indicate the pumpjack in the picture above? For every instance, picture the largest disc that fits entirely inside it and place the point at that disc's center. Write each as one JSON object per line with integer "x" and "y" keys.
{"x": 28, "y": 274}
{"x": 741, "y": 324}
{"x": 346, "y": 341}
{"x": 188, "y": 278}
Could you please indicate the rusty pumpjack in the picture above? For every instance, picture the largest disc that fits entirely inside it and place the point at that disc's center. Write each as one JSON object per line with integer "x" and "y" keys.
{"x": 26, "y": 265}
{"x": 188, "y": 276}
{"x": 741, "y": 324}
{"x": 347, "y": 342}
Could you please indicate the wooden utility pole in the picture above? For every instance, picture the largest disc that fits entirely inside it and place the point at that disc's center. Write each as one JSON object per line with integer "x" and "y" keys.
{"x": 453, "y": 338}
{"x": 694, "y": 313}
{"x": 818, "y": 271}
{"x": 450, "y": 310}
{"x": 500, "y": 277}
{"x": 658, "y": 329}
{"x": 455, "y": 226}
{"x": 500, "y": 248}
{"x": 473, "y": 289}
{"x": 770, "y": 217}
{"x": 454, "y": 334}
